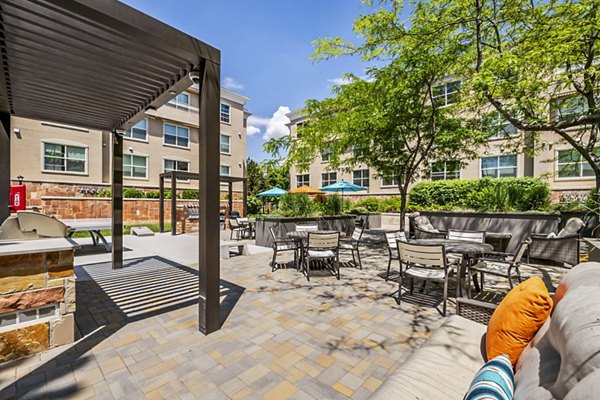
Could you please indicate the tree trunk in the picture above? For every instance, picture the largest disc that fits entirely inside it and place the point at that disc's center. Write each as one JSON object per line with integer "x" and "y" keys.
{"x": 403, "y": 195}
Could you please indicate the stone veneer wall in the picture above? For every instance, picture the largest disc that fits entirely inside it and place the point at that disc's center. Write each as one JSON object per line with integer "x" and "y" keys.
{"x": 30, "y": 281}
{"x": 135, "y": 211}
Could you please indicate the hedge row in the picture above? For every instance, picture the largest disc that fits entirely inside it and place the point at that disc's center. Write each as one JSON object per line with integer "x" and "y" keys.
{"x": 486, "y": 194}
{"x": 133, "y": 193}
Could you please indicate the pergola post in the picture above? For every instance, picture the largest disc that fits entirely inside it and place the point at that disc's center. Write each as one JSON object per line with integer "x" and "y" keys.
{"x": 117, "y": 200}
{"x": 173, "y": 204}
{"x": 161, "y": 203}
{"x": 245, "y": 197}
{"x": 209, "y": 193}
{"x": 4, "y": 165}
{"x": 230, "y": 196}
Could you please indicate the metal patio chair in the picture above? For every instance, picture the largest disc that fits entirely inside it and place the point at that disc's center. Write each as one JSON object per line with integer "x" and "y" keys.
{"x": 496, "y": 267}
{"x": 468, "y": 236}
{"x": 325, "y": 247}
{"x": 423, "y": 262}
{"x": 282, "y": 245}
{"x": 353, "y": 244}
{"x": 237, "y": 229}
{"x": 391, "y": 239}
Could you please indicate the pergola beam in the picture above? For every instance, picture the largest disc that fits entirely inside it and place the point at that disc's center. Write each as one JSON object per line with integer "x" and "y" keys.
{"x": 117, "y": 200}
{"x": 4, "y": 165}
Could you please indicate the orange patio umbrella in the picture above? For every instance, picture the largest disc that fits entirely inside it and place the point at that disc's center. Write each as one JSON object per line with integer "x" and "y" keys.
{"x": 306, "y": 189}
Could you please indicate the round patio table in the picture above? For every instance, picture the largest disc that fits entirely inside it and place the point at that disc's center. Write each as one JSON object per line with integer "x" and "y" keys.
{"x": 468, "y": 250}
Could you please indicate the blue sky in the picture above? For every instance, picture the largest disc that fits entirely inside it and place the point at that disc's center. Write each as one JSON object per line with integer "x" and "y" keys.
{"x": 266, "y": 45}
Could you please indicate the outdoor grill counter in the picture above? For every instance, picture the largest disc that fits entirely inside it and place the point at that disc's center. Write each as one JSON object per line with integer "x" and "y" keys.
{"x": 37, "y": 296}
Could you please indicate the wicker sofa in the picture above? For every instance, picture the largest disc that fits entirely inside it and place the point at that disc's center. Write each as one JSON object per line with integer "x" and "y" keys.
{"x": 562, "y": 361}
{"x": 561, "y": 249}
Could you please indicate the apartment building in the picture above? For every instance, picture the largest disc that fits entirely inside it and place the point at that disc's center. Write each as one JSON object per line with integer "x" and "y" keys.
{"x": 568, "y": 175}
{"x": 59, "y": 160}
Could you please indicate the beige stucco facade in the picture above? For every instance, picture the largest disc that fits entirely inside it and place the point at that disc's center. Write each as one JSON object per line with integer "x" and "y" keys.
{"x": 29, "y": 138}
{"x": 542, "y": 165}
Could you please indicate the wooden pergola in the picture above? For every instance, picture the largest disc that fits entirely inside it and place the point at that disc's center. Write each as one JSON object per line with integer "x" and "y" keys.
{"x": 174, "y": 175}
{"x": 101, "y": 65}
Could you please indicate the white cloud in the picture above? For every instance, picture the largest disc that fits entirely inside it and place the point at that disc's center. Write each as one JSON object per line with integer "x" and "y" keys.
{"x": 232, "y": 84}
{"x": 340, "y": 80}
{"x": 252, "y": 130}
{"x": 274, "y": 127}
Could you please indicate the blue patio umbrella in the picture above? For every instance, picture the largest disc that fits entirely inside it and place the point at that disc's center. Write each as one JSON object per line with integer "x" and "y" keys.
{"x": 343, "y": 186}
{"x": 275, "y": 192}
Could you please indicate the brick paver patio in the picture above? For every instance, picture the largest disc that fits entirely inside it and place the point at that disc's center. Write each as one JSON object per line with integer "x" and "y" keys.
{"x": 282, "y": 337}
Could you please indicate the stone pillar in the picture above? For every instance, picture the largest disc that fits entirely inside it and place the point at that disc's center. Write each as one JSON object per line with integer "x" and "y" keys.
{"x": 42, "y": 285}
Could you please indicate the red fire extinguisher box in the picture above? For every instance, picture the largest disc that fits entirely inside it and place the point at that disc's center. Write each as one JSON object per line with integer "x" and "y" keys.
{"x": 18, "y": 199}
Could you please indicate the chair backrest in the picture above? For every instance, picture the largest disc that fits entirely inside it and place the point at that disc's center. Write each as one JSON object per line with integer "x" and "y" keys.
{"x": 233, "y": 223}
{"x": 307, "y": 227}
{"x": 572, "y": 227}
{"x": 323, "y": 241}
{"x": 468, "y": 236}
{"x": 520, "y": 252}
{"x": 392, "y": 237}
{"x": 43, "y": 225}
{"x": 242, "y": 220}
{"x": 357, "y": 234}
{"x": 421, "y": 255}
{"x": 272, "y": 232}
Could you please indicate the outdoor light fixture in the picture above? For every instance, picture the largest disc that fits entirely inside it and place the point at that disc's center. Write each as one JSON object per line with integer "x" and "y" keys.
{"x": 20, "y": 179}
{"x": 172, "y": 92}
{"x": 195, "y": 76}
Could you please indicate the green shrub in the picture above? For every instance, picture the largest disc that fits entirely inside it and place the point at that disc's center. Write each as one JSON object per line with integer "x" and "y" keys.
{"x": 486, "y": 194}
{"x": 190, "y": 194}
{"x": 152, "y": 195}
{"x": 333, "y": 206}
{"x": 133, "y": 193}
{"x": 104, "y": 193}
{"x": 371, "y": 204}
{"x": 255, "y": 205}
{"x": 297, "y": 205}
{"x": 358, "y": 210}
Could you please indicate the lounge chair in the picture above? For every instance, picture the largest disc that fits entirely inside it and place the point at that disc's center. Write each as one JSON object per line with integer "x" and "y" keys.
{"x": 561, "y": 248}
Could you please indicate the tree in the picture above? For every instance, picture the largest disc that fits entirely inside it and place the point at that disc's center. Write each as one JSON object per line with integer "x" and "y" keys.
{"x": 264, "y": 176}
{"x": 391, "y": 122}
{"x": 255, "y": 177}
{"x": 517, "y": 57}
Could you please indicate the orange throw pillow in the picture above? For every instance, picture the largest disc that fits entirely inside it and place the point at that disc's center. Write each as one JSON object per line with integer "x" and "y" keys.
{"x": 517, "y": 319}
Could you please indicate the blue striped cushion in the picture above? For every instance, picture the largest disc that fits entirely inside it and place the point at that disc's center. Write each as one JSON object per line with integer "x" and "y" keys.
{"x": 494, "y": 381}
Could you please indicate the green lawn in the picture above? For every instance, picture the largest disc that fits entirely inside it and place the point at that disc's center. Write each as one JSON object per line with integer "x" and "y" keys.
{"x": 126, "y": 230}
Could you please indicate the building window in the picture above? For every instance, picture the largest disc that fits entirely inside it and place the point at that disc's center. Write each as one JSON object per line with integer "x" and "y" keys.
{"x": 328, "y": 178}
{"x": 325, "y": 154}
{"x": 499, "y": 166}
{"x": 361, "y": 177}
{"x": 499, "y": 127}
{"x": 139, "y": 131}
{"x": 570, "y": 164}
{"x": 302, "y": 179}
{"x": 225, "y": 113}
{"x": 446, "y": 93}
{"x": 445, "y": 170}
{"x": 175, "y": 165}
{"x": 63, "y": 158}
{"x": 569, "y": 108}
{"x": 180, "y": 102}
{"x": 389, "y": 180}
{"x": 225, "y": 170}
{"x": 135, "y": 166}
{"x": 176, "y": 135}
{"x": 225, "y": 144}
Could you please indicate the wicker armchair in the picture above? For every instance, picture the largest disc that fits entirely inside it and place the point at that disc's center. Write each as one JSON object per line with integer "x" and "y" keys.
{"x": 475, "y": 310}
{"x": 563, "y": 248}
{"x": 425, "y": 234}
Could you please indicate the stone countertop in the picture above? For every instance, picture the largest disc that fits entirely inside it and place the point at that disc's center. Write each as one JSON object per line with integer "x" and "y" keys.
{"x": 14, "y": 247}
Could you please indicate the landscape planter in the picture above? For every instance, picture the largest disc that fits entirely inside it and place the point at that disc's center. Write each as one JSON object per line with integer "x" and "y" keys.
{"x": 519, "y": 225}
{"x": 282, "y": 226}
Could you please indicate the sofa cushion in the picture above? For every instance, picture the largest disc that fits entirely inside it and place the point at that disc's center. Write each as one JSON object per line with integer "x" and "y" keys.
{"x": 517, "y": 319}
{"x": 584, "y": 274}
{"x": 494, "y": 381}
{"x": 564, "y": 357}
{"x": 442, "y": 368}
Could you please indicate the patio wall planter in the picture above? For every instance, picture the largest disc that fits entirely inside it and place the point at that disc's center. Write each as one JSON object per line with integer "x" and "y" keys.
{"x": 281, "y": 226}
{"x": 520, "y": 225}
{"x": 370, "y": 220}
